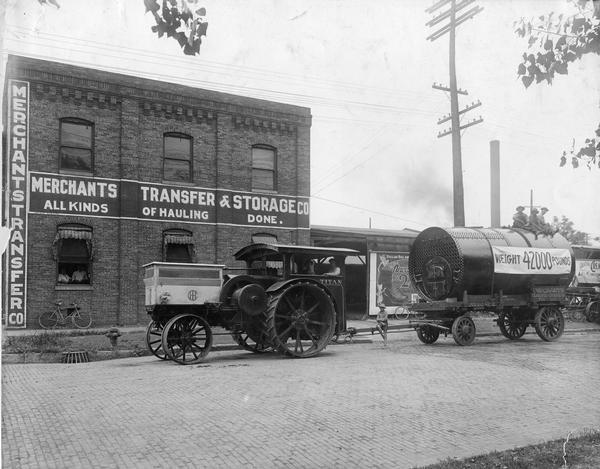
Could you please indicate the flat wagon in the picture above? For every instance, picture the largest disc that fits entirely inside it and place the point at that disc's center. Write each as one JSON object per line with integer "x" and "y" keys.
{"x": 517, "y": 275}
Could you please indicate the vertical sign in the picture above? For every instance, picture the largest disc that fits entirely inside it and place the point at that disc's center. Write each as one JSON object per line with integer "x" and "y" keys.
{"x": 16, "y": 202}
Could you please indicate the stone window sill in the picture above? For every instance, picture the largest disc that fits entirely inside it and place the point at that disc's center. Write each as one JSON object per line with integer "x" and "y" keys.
{"x": 74, "y": 287}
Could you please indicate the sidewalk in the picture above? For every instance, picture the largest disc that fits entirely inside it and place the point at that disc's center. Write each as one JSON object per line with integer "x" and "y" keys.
{"x": 485, "y": 326}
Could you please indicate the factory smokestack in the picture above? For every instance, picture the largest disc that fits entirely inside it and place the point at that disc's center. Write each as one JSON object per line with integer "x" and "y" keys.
{"x": 495, "y": 183}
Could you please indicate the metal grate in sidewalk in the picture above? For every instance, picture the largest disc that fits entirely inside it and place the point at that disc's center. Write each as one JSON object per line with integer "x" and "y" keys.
{"x": 75, "y": 357}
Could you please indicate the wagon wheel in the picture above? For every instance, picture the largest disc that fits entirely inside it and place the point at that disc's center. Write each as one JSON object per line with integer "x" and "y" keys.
{"x": 592, "y": 311}
{"x": 510, "y": 326}
{"x": 187, "y": 339}
{"x": 463, "y": 330}
{"x": 154, "y": 340}
{"x": 428, "y": 334}
{"x": 300, "y": 320}
{"x": 549, "y": 323}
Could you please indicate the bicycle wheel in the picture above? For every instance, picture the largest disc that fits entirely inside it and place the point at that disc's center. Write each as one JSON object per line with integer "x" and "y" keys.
{"x": 48, "y": 320}
{"x": 81, "y": 319}
{"x": 402, "y": 313}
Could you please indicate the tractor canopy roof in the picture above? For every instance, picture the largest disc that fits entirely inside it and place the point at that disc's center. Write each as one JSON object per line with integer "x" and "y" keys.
{"x": 276, "y": 251}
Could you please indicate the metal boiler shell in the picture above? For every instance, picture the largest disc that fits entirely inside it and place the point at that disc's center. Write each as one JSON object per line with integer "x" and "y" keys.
{"x": 467, "y": 264}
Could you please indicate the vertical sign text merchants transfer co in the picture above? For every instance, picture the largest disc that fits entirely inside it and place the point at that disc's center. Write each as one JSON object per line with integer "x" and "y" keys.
{"x": 16, "y": 200}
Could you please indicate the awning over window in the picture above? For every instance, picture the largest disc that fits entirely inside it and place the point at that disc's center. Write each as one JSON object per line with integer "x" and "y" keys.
{"x": 73, "y": 234}
{"x": 178, "y": 239}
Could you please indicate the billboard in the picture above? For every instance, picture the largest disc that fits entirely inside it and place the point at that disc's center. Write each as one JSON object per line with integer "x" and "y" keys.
{"x": 389, "y": 283}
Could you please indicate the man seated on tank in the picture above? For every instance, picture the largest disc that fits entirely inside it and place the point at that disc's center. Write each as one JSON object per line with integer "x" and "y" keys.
{"x": 534, "y": 224}
{"x": 519, "y": 218}
{"x": 547, "y": 228}
{"x": 334, "y": 270}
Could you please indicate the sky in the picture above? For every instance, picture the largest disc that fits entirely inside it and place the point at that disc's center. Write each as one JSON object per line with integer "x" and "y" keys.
{"x": 366, "y": 70}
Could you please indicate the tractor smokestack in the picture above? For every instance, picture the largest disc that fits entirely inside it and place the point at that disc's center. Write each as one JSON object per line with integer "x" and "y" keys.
{"x": 495, "y": 183}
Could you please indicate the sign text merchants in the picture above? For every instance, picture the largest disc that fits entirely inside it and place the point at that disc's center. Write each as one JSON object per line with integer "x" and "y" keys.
{"x": 16, "y": 253}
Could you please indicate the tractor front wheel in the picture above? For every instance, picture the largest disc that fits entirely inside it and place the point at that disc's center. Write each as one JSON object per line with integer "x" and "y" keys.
{"x": 154, "y": 339}
{"x": 186, "y": 339}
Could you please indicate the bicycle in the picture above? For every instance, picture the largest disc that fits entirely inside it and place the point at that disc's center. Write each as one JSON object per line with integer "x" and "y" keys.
{"x": 79, "y": 319}
{"x": 401, "y": 313}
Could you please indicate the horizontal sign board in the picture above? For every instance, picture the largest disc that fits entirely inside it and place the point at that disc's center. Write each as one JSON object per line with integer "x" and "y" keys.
{"x": 114, "y": 198}
{"x": 528, "y": 261}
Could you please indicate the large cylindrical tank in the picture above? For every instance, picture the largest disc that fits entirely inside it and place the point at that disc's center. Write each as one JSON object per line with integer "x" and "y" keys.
{"x": 446, "y": 262}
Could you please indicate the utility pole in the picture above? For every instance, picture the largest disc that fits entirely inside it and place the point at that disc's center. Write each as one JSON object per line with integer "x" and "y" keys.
{"x": 454, "y": 117}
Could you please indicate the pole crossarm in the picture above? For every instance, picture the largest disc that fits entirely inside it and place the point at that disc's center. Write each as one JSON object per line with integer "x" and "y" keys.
{"x": 445, "y": 88}
{"x": 462, "y": 111}
{"x": 461, "y": 19}
{"x": 437, "y": 5}
{"x": 446, "y": 14}
{"x": 469, "y": 124}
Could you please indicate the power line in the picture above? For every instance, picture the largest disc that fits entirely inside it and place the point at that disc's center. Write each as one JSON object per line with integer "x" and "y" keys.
{"x": 368, "y": 210}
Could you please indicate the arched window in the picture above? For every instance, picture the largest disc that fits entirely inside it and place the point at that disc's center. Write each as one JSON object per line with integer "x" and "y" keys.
{"x": 266, "y": 238}
{"x": 177, "y": 163}
{"x": 73, "y": 253}
{"x": 264, "y": 168}
{"x": 178, "y": 246}
{"x": 76, "y": 153}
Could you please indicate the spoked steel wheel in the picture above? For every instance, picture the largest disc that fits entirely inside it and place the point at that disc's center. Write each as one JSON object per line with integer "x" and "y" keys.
{"x": 154, "y": 340}
{"x": 48, "y": 320}
{"x": 186, "y": 339}
{"x": 463, "y": 330}
{"x": 247, "y": 342}
{"x": 81, "y": 319}
{"x": 428, "y": 334}
{"x": 300, "y": 320}
{"x": 510, "y": 326}
{"x": 549, "y": 323}
{"x": 592, "y": 311}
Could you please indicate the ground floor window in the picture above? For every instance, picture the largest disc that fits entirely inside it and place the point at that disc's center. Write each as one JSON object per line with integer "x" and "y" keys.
{"x": 178, "y": 246}
{"x": 73, "y": 254}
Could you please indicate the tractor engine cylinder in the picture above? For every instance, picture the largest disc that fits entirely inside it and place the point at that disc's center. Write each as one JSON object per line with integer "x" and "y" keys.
{"x": 251, "y": 299}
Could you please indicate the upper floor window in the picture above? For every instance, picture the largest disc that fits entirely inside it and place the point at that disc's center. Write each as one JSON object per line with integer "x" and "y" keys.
{"x": 76, "y": 145}
{"x": 177, "y": 165}
{"x": 264, "y": 168}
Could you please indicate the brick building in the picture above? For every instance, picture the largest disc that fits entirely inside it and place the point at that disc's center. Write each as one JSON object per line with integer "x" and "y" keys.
{"x": 107, "y": 172}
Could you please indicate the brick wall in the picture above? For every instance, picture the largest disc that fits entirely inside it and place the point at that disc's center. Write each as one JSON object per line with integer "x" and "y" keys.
{"x": 130, "y": 116}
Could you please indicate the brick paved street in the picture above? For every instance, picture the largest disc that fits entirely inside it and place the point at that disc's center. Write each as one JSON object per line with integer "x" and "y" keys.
{"x": 356, "y": 405}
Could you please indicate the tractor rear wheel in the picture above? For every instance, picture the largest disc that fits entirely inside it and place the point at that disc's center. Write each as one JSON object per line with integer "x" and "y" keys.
{"x": 154, "y": 339}
{"x": 187, "y": 339}
{"x": 510, "y": 326}
{"x": 549, "y": 323}
{"x": 300, "y": 320}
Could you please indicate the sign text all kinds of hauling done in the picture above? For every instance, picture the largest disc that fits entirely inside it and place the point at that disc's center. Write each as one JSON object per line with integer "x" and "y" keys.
{"x": 531, "y": 261}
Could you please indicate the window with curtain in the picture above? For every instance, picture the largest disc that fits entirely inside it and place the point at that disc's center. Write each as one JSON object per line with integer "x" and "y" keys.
{"x": 264, "y": 168}
{"x": 178, "y": 246}
{"x": 177, "y": 164}
{"x": 73, "y": 253}
{"x": 76, "y": 145}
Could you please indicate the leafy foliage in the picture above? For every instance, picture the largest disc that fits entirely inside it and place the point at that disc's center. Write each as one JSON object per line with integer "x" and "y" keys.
{"x": 181, "y": 20}
{"x": 557, "y": 41}
{"x": 566, "y": 228}
{"x": 51, "y": 2}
